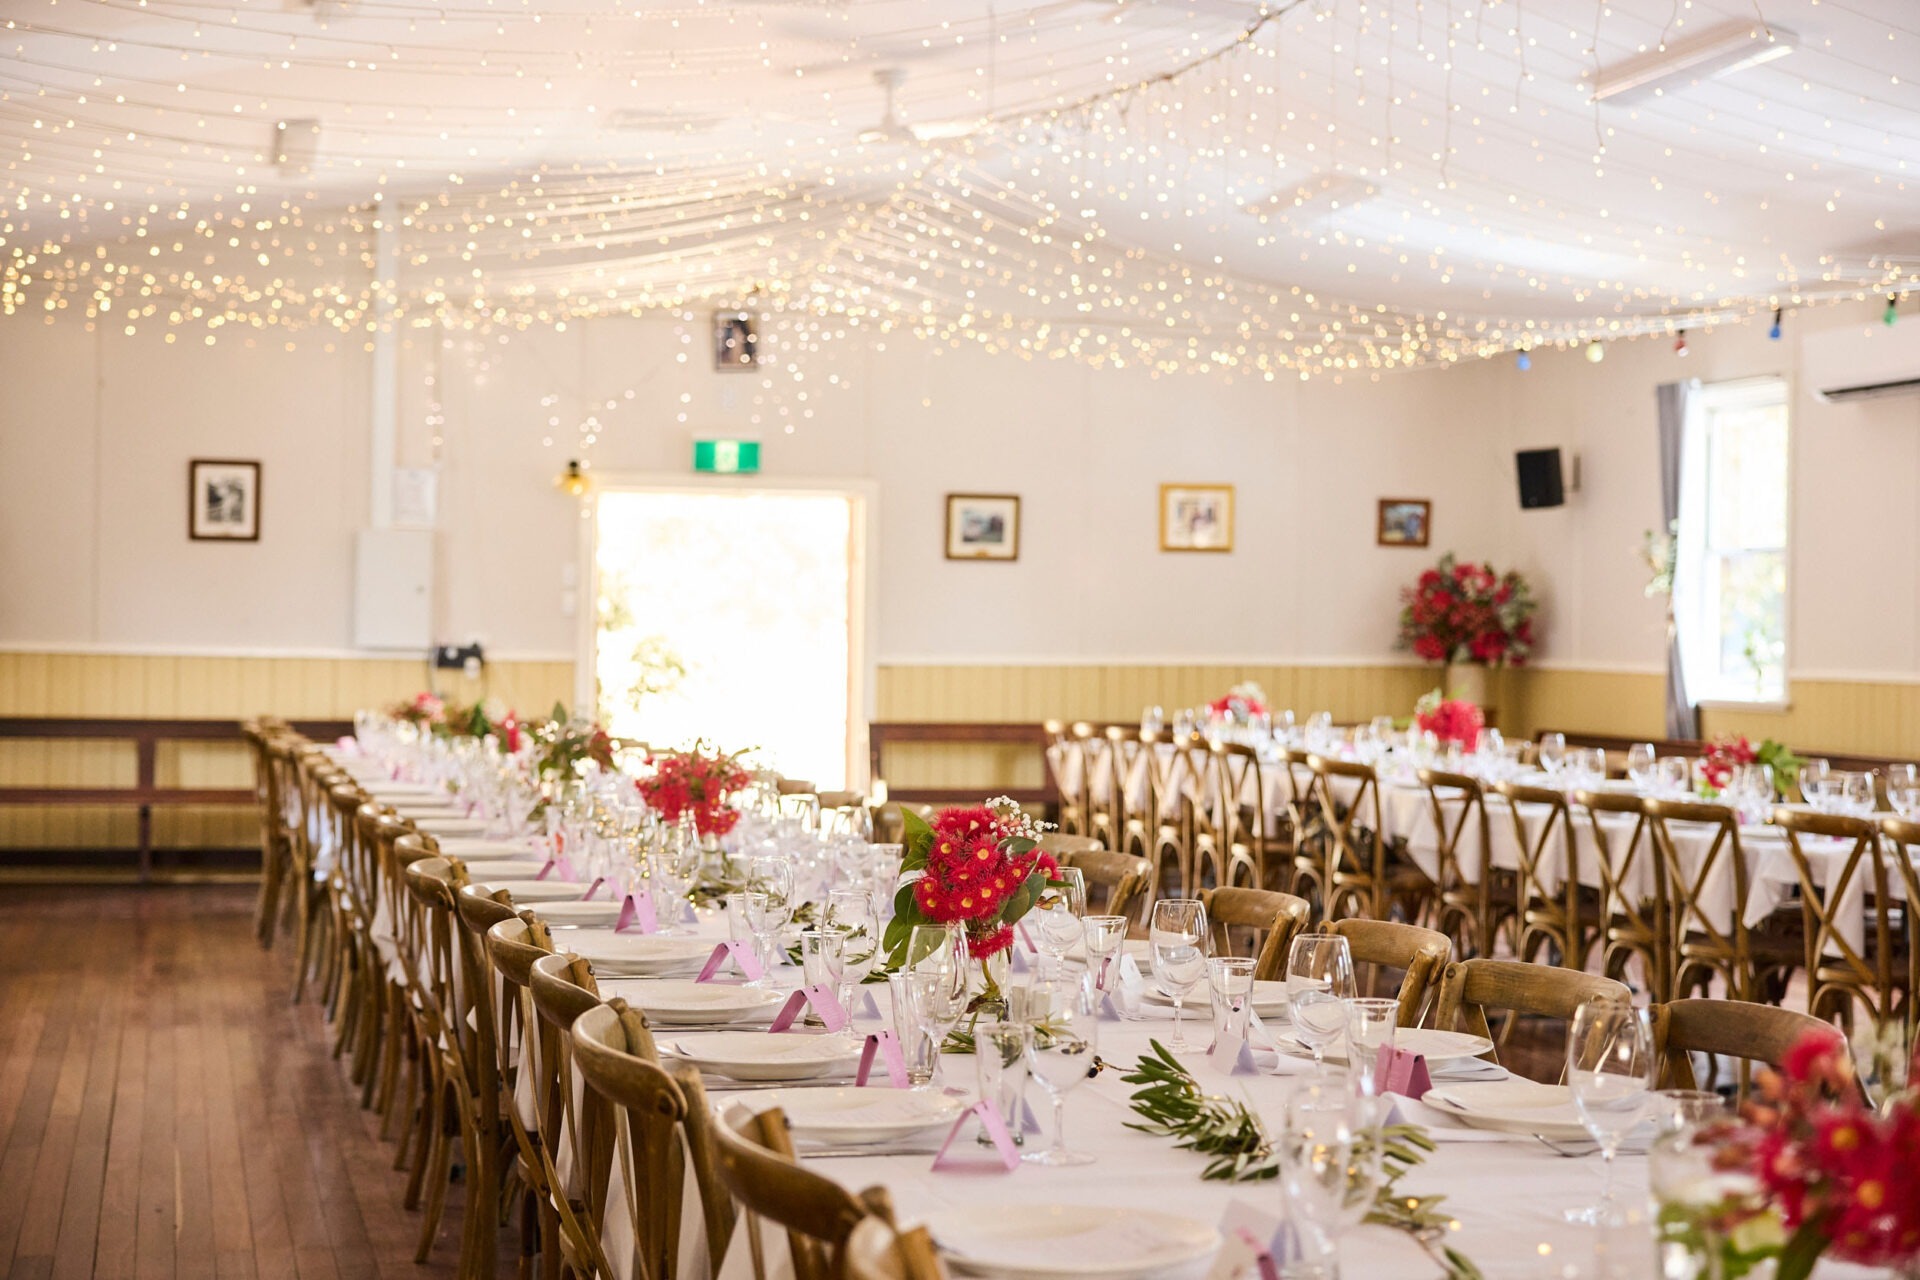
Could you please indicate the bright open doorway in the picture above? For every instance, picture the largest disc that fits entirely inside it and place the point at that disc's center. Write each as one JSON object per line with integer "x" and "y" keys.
{"x": 736, "y": 616}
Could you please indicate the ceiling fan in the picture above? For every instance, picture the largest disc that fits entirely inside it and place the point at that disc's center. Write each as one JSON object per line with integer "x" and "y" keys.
{"x": 892, "y": 128}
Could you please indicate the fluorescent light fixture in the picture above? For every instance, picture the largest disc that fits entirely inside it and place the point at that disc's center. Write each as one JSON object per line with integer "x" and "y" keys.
{"x": 1725, "y": 49}
{"x": 1321, "y": 193}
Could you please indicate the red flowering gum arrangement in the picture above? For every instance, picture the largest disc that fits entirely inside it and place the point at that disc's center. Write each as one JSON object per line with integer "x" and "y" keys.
{"x": 422, "y": 708}
{"x": 699, "y": 781}
{"x": 1464, "y": 612}
{"x": 1842, "y": 1177}
{"x": 980, "y": 867}
{"x": 1449, "y": 719}
{"x": 1239, "y": 704}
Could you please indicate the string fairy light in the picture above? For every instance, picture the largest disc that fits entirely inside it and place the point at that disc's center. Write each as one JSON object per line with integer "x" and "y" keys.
{"x": 1134, "y": 188}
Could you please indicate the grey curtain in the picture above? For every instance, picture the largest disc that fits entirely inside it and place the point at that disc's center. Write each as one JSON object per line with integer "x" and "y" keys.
{"x": 1683, "y": 718}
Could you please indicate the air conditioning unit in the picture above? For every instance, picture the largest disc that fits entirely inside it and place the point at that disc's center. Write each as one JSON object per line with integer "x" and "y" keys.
{"x": 1865, "y": 362}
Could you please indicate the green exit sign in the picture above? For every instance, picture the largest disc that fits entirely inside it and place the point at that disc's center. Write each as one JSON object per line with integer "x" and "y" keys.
{"x": 727, "y": 457}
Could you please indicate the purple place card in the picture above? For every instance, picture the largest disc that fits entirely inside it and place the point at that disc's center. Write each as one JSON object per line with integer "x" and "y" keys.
{"x": 1026, "y": 939}
{"x": 996, "y": 1130}
{"x": 636, "y": 914}
{"x": 887, "y": 1046}
{"x": 826, "y": 1006}
{"x": 744, "y": 961}
{"x": 1404, "y": 1073}
{"x": 1232, "y": 1055}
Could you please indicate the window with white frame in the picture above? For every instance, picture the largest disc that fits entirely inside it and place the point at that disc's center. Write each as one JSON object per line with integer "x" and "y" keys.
{"x": 1730, "y": 589}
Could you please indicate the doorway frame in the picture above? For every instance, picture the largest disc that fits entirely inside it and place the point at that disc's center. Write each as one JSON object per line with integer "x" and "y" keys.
{"x": 863, "y": 581}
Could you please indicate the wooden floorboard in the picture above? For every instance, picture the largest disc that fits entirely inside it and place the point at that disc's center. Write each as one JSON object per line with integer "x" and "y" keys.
{"x": 166, "y": 1112}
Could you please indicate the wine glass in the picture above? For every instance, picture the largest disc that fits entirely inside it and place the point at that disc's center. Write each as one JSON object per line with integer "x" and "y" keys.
{"x": 1066, "y": 1039}
{"x": 1319, "y": 983}
{"x": 1640, "y": 758}
{"x": 851, "y": 920}
{"x": 1553, "y": 750}
{"x": 937, "y": 995}
{"x": 1179, "y": 938}
{"x": 1610, "y": 1074}
{"x": 1315, "y": 1149}
{"x": 1813, "y": 781}
{"x": 1057, "y": 914}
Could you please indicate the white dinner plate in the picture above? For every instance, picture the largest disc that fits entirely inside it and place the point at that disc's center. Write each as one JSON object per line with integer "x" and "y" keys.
{"x": 859, "y": 1115}
{"x": 1435, "y": 1046}
{"x": 598, "y": 914}
{"x": 1269, "y": 998}
{"x": 494, "y": 872}
{"x": 398, "y": 792}
{"x": 452, "y": 826}
{"x": 1514, "y": 1105}
{"x": 1047, "y": 1240}
{"x": 684, "y": 1002}
{"x": 541, "y": 890}
{"x": 478, "y": 848}
{"x": 641, "y": 955}
{"x": 756, "y": 1055}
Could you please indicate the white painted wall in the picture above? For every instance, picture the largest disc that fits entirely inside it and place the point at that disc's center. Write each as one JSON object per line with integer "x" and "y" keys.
{"x": 97, "y": 429}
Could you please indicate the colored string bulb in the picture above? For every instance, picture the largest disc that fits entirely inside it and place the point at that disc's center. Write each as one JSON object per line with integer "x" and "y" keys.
{"x": 1892, "y": 313}
{"x": 1774, "y": 332}
{"x": 573, "y": 481}
{"x": 1680, "y": 344}
{"x": 1523, "y": 362}
{"x": 1595, "y": 352}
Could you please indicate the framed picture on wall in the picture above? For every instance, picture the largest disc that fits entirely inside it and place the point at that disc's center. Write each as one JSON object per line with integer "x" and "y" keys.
{"x": 983, "y": 526}
{"x": 1196, "y": 517}
{"x": 223, "y": 500}
{"x": 1404, "y": 522}
{"x": 736, "y": 343}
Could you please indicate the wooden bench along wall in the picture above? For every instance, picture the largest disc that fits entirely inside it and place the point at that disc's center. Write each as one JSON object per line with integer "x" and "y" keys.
{"x": 145, "y": 794}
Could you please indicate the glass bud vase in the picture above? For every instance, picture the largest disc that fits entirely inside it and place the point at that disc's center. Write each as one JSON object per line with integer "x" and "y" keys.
{"x": 989, "y": 1003}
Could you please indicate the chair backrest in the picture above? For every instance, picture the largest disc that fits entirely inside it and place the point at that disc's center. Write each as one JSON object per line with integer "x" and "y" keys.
{"x": 1704, "y": 919}
{"x": 1058, "y": 843}
{"x": 1355, "y": 828}
{"x": 1133, "y": 802}
{"x": 1469, "y": 988}
{"x": 1847, "y": 909}
{"x": 1459, "y": 804}
{"x": 563, "y": 990}
{"x": 1241, "y": 787}
{"x": 1738, "y": 1029}
{"x": 615, "y": 1053}
{"x": 1121, "y": 878}
{"x": 757, "y": 1165}
{"x": 1387, "y": 946}
{"x": 1557, "y": 825}
{"x": 1271, "y": 919}
{"x": 875, "y": 1251}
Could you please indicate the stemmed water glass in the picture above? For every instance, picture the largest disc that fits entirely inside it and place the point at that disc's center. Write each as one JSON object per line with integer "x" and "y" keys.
{"x": 1640, "y": 758}
{"x": 1610, "y": 1074}
{"x": 1553, "y": 750}
{"x": 1066, "y": 1039}
{"x": 1105, "y": 935}
{"x": 1315, "y": 1146}
{"x": 1319, "y": 983}
{"x": 853, "y": 934}
{"x": 936, "y": 985}
{"x": 1057, "y": 915}
{"x": 1179, "y": 938}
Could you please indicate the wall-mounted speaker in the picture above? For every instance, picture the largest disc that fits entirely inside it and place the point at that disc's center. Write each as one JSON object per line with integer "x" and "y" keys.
{"x": 1540, "y": 481}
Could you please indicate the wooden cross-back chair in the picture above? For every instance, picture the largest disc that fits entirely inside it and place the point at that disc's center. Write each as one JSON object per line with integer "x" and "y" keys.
{"x": 1171, "y": 855}
{"x": 1362, "y": 877}
{"x": 1566, "y": 916}
{"x": 1856, "y": 953}
{"x": 1715, "y": 1029}
{"x": 1268, "y": 920}
{"x": 1249, "y": 847}
{"x": 1470, "y": 908}
{"x": 757, "y": 1165}
{"x": 1469, "y": 989}
{"x": 358, "y": 988}
{"x": 1900, "y": 839}
{"x": 1127, "y": 769}
{"x": 513, "y": 947}
{"x": 1754, "y": 963}
{"x": 662, "y": 1125}
{"x": 1119, "y": 880}
{"x": 1382, "y": 948}
{"x": 383, "y": 892}
{"x": 1205, "y": 861}
{"x": 876, "y": 1251}
{"x": 1105, "y": 809}
{"x": 307, "y": 895}
{"x": 1636, "y": 921}
{"x": 1065, "y": 763}
{"x": 1309, "y": 839}
{"x": 563, "y": 989}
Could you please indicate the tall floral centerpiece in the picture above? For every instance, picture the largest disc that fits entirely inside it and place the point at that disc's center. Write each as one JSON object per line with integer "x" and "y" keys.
{"x": 423, "y": 710}
{"x": 488, "y": 718}
{"x": 1240, "y": 704}
{"x": 1470, "y": 617}
{"x": 700, "y": 781}
{"x": 562, "y": 745}
{"x": 979, "y": 867}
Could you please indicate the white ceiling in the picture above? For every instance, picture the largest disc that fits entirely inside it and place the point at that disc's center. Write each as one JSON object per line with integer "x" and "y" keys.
{"x": 545, "y": 159}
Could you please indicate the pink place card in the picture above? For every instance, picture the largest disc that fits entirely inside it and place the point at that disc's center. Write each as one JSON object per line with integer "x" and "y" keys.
{"x": 1252, "y": 1243}
{"x": 826, "y": 1006}
{"x": 548, "y": 869}
{"x": 593, "y": 888}
{"x": 996, "y": 1130}
{"x": 887, "y": 1046}
{"x": 744, "y": 961}
{"x": 1404, "y": 1073}
{"x": 636, "y": 914}
{"x": 1026, "y": 939}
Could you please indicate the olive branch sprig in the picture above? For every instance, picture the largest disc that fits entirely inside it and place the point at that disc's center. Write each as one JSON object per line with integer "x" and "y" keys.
{"x": 1172, "y": 1104}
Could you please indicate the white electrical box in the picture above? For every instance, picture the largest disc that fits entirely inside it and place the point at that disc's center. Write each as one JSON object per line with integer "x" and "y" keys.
{"x": 393, "y": 589}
